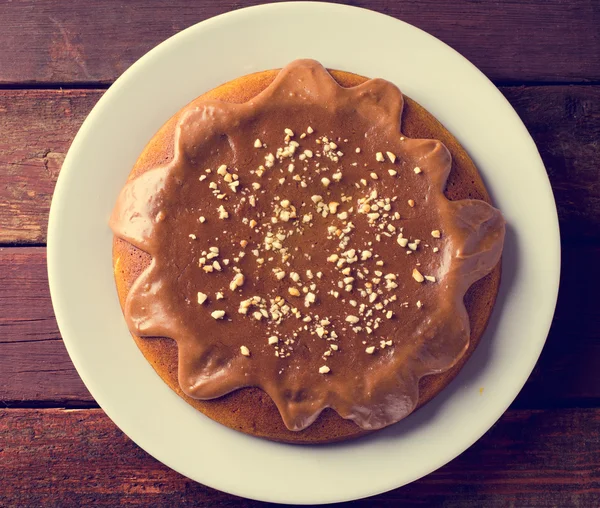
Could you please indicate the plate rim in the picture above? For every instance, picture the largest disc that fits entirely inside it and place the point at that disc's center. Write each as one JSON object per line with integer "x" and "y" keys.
{"x": 54, "y": 237}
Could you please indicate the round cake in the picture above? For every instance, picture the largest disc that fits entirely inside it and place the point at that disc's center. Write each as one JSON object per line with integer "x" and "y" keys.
{"x": 221, "y": 346}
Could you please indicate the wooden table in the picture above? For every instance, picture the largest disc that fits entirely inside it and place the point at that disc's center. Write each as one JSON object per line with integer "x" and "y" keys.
{"x": 57, "y": 448}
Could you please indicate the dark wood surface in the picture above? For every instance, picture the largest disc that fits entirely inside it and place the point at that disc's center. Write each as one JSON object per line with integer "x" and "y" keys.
{"x": 56, "y": 59}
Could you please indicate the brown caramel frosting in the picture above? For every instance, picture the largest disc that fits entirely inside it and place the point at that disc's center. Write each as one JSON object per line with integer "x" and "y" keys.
{"x": 301, "y": 244}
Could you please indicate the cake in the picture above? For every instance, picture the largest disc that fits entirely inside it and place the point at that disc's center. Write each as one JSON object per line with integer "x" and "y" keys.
{"x": 306, "y": 255}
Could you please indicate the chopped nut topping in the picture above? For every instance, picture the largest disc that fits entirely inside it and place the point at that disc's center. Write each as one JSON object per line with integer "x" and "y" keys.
{"x": 223, "y": 214}
{"x": 352, "y": 319}
{"x": 411, "y": 203}
{"x": 403, "y": 242}
{"x": 324, "y": 369}
{"x": 417, "y": 275}
{"x": 430, "y": 278}
{"x": 436, "y": 233}
{"x": 392, "y": 172}
{"x": 258, "y": 143}
{"x": 391, "y": 156}
{"x": 294, "y": 291}
{"x": 202, "y": 297}
{"x": 218, "y": 314}
{"x": 273, "y": 339}
{"x": 379, "y": 157}
{"x": 238, "y": 281}
{"x": 325, "y": 181}
{"x": 244, "y": 350}
{"x": 417, "y": 170}
{"x": 370, "y": 350}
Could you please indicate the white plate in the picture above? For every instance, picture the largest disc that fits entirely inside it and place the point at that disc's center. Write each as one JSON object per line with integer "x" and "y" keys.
{"x": 220, "y": 49}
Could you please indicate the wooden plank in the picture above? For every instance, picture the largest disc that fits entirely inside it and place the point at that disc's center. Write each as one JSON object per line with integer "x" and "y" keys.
{"x": 80, "y": 458}
{"x": 35, "y": 368}
{"x": 564, "y": 122}
{"x": 38, "y": 126}
{"x": 34, "y": 364}
{"x": 95, "y": 41}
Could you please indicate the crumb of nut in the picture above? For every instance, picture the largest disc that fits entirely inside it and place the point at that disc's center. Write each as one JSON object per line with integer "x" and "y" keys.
{"x": 379, "y": 157}
{"x": 325, "y": 181}
{"x": 352, "y": 319}
{"x": 334, "y": 347}
{"x": 218, "y": 314}
{"x": 417, "y": 170}
{"x": 411, "y": 203}
{"x": 222, "y": 170}
{"x": 324, "y": 369}
{"x": 417, "y": 275}
{"x": 244, "y": 350}
{"x": 333, "y": 206}
{"x": 192, "y": 236}
{"x": 238, "y": 281}
{"x": 374, "y": 176}
{"x": 289, "y": 132}
{"x": 436, "y": 249}
{"x": 285, "y": 203}
{"x": 370, "y": 350}
{"x": 294, "y": 291}
{"x": 357, "y": 150}
{"x": 257, "y": 143}
{"x": 392, "y": 172}
{"x": 430, "y": 278}
{"x": 391, "y": 156}
{"x": 413, "y": 246}
{"x": 309, "y": 130}
{"x": 243, "y": 243}
{"x": 273, "y": 339}
{"x": 436, "y": 233}
{"x": 223, "y": 214}
{"x": 403, "y": 242}
{"x": 419, "y": 304}
{"x": 202, "y": 297}
{"x": 202, "y": 219}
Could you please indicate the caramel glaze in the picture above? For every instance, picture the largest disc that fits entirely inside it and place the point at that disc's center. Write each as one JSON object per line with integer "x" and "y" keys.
{"x": 362, "y": 345}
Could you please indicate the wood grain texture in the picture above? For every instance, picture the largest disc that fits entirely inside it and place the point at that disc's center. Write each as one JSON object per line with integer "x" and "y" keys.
{"x": 94, "y": 41}
{"x": 37, "y": 128}
{"x": 39, "y": 125}
{"x": 80, "y": 458}
{"x": 34, "y": 364}
{"x": 35, "y": 368}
